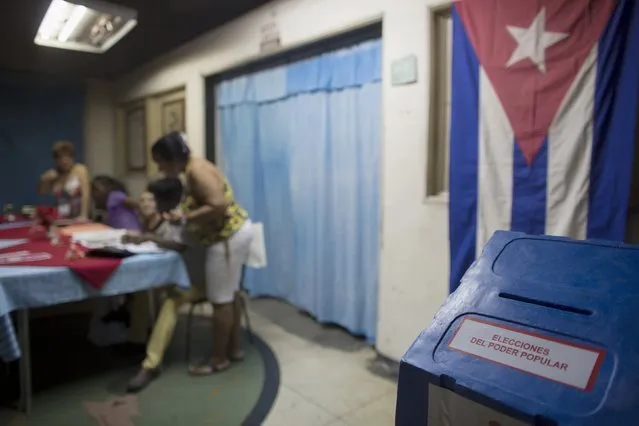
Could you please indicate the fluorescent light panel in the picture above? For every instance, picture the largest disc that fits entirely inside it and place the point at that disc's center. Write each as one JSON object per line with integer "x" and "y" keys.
{"x": 84, "y": 25}
{"x": 72, "y": 23}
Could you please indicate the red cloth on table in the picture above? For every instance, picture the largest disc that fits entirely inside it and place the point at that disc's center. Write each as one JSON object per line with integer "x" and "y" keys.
{"x": 94, "y": 270}
{"x": 17, "y": 233}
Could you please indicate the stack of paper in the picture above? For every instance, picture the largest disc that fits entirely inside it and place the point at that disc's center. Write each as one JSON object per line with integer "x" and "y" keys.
{"x": 98, "y": 239}
{"x": 144, "y": 248}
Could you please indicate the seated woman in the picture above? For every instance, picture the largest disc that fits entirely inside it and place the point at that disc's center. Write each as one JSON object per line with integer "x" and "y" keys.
{"x": 69, "y": 183}
{"x": 111, "y": 196}
{"x": 164, "y": 196}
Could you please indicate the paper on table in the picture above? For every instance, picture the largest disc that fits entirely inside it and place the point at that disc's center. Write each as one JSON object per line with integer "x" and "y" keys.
{"x": 23, "y": 256}
{"x": 144, "y": 248}
{"x": 98, "y": 239}
{"x": 83, "y": 228}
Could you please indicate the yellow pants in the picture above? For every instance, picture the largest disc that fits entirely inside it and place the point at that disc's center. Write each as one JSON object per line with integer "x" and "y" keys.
{"x": 165, "y": 324}
{"x": 141, "y": 320}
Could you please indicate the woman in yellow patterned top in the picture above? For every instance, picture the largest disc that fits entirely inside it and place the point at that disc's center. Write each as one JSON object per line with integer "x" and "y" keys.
{"x": 215, "y": 221}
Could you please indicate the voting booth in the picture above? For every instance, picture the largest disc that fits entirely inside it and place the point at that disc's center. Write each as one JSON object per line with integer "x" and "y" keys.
{"x": 541, "y": 331}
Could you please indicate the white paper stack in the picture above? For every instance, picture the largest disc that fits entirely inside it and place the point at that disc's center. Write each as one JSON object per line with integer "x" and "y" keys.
{"x": 144, "y": 248}
{"x": 98, "y": 239}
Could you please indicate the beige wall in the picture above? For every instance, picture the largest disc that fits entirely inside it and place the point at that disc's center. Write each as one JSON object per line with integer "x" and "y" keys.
{"x": 99, "y": 128}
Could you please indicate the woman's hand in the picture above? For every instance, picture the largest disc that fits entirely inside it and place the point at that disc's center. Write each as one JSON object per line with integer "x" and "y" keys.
{"x": 49, "y": 176}
{"x": 134, "y": 238}
{"x": 175, "y": 216}
{"x": 46, "y": 181}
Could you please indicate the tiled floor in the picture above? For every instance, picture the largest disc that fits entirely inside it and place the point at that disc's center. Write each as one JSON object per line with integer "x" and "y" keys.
{"x": 326, "y": 374}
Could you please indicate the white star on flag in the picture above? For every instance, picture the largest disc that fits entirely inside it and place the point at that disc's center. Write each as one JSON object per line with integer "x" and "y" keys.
{"x": 533, "y": 41}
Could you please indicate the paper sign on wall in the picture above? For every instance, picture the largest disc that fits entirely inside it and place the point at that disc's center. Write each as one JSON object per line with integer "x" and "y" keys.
{"x": 404, "y": 71}
{"x": 270, "y": 34}
{"x": 553, "y": 359}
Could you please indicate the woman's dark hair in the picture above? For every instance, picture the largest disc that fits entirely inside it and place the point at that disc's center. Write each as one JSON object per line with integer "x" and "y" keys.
{"x": 61, "y": 148}
{"x": 110, "y": 183}
{"x": 172, "y": 147}
{"x": 167, "y": 193}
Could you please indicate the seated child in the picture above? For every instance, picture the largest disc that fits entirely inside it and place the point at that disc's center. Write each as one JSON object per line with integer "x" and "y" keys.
{"x": 161, "y": 196}
{"x": 164, "y": 196}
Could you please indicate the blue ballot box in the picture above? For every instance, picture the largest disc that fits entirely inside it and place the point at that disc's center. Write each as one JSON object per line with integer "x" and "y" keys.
{"x": 541, "y": 331}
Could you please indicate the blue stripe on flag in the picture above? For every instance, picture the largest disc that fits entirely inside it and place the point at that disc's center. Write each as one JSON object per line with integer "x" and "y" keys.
{"x": 616, "y": 93}
{"x": 529, "y": 191}
{"x": 464, "y": 140}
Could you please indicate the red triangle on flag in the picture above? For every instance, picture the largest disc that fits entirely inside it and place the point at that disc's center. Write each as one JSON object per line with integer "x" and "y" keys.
{"x": 531, "y": 52}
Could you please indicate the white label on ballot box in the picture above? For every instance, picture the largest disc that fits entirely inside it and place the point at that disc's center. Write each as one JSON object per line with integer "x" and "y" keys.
{"x": 553, "y": 359}
{"x": 446, "y": 408}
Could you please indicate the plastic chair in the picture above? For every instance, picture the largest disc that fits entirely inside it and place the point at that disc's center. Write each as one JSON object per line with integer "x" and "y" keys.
{"x": 202, "y": 302}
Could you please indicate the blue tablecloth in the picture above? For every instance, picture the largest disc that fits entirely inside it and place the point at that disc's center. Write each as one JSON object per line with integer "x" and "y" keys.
{"x": 33, "y": 287}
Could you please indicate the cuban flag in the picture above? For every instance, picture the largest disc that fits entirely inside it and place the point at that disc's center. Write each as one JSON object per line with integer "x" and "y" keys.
{"x": 543, "y": 120}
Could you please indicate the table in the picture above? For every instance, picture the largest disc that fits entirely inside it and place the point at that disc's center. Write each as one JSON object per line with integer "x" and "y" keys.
{"x": 23, "y": 288}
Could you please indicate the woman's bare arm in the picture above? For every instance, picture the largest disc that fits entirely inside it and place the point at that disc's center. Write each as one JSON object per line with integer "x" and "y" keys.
{"x": 82, "y": 173}
{"x": 135, "y": 238}
{"x": 208, "y": 188}
{"x": 46, "y": 181}
{"x": 131, "y": 203}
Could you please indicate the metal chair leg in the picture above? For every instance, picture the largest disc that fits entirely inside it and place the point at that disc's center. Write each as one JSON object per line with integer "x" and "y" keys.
{"x": 247, "y": 318}
{"x": 189, "y": 323}
{"x": 244, "y": 301}
{"x": 25, "y": 361}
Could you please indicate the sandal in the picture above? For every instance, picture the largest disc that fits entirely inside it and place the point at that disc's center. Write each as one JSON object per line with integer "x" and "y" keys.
{"x": 208, "y": 369}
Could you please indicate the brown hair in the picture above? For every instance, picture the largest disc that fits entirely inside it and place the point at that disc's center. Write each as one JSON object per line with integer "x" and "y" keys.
{"x": 62, "y": 148}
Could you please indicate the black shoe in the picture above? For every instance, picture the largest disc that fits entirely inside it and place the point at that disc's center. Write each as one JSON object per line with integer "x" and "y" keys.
{"x": 120, "y": 314}
{"x": 141, "y": 380}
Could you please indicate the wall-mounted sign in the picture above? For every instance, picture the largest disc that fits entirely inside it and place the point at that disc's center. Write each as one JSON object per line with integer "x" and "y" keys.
{"x": 173, "y": 116}
{"x": 404, "y": 71}
{"x": 136, "y": 138}
{"x": 270, "y": 34}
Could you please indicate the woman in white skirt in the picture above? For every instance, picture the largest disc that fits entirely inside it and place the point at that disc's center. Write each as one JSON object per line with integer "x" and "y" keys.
{"x": 213, "y": 218}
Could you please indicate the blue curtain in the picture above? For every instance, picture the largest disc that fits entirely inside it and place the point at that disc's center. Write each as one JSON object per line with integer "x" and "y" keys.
{"x": 301, "y": 146}
{"x": 35, "y": 111}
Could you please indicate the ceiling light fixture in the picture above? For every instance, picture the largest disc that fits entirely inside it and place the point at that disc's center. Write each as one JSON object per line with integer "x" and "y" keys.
{"x": 72, "y": 23}
{"x": 84, "y": 25}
